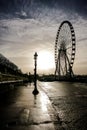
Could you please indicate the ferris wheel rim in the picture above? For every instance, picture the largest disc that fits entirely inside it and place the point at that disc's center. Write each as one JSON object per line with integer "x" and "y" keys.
{"x": 73, "y": 38}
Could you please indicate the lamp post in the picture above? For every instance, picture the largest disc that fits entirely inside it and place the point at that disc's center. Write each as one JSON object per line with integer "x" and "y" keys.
{"x": 35, "y": 92}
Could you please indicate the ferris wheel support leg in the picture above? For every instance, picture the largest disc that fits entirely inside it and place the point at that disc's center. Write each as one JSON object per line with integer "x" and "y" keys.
{"x": 65, "y": 63}
{"x": 70, "y": 72}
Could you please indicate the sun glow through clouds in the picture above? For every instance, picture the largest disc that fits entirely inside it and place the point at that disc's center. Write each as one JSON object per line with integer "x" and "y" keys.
{"x": 45, "y": 60}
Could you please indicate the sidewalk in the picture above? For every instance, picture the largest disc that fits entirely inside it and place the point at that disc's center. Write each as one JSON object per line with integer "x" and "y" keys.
{"x": 29, "y": 112}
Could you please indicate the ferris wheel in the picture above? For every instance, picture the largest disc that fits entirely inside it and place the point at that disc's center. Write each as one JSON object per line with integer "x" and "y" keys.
{"x": 65, "y": 49}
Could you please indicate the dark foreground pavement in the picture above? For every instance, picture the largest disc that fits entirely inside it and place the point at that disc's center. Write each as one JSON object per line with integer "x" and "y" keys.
{"x": 21, "y": 110}
{"x": 70, "y": 103}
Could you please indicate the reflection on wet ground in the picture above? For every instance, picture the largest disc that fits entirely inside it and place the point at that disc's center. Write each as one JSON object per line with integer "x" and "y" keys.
{"x": 22, "y": 108}
{"x": 70, "y": 102}
{"x": 66, "y": 109}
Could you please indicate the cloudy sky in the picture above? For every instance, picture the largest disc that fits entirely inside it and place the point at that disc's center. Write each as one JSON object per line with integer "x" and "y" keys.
{"x": 29, "y": 26}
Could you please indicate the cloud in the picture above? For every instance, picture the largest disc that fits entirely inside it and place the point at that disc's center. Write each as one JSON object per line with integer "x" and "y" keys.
{"x": 20, "y": 37}
{"x": 32, "y": 8}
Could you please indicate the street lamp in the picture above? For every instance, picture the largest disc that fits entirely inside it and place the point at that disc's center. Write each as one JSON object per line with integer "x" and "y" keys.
{"x": 35, "y": 92}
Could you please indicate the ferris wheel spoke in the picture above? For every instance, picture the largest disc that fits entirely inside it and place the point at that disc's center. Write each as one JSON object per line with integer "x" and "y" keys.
{"x": 68, "y": 53}
{"x": 58, "y": 48}
{"x": 68, "y": 47}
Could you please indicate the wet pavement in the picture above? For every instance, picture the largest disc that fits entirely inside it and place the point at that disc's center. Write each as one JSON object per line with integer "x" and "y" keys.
{"x": 21, "y": 110}
{"x": 58, "y": 106}
{"x": 70, "y": 103}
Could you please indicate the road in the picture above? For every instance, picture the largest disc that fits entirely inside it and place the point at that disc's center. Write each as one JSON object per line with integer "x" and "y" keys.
{"x": 70, "y": 103}
{"x": 58, "y": 106}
